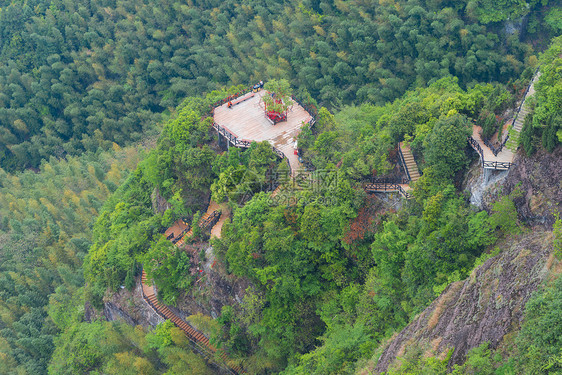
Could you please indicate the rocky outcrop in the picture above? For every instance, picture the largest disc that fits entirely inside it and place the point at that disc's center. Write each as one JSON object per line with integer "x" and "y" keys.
{"x": 536, "y": 184}
{"x": 126, "y": 306}
{"x": 159, "y": 203}
{"x": 213, "y": 288}
{"x": 539, "y": 179}
{"x": 482, "y": 183}
{"x": 483, "y": 308}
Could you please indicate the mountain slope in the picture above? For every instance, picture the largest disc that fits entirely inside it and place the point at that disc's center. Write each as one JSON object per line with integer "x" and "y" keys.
{"x": 486, "y": 307}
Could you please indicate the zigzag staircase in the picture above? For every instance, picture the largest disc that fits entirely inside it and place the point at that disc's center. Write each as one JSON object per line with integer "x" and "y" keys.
{"x": 212, "y": 210}
{"x": 201, "y": 342}
{"x": 402, "y": 187}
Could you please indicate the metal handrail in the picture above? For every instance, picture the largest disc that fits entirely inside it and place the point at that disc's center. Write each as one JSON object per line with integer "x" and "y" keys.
{"x": 477, "y": 147}
{"x": 404, "y": 163}
{"x": 492, "y": 148}
{"x": 385, "y": 186}
{"x": 204, "y": 350}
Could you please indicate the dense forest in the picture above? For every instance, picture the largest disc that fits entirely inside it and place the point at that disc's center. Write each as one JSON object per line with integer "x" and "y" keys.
{"x": 79, "y": 75}
{"x": 104, "y": 104}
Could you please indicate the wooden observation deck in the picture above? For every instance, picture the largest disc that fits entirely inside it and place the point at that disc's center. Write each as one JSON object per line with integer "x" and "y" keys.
{"x": 246, "y": 120}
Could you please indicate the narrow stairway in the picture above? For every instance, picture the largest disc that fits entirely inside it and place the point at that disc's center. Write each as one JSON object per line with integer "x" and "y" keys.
{"x": 276, "y": 191}
{"x": 513, "y": 141}
{"x": 518, "y": 124}
{"x": 409, "y": 162}
{"x": 213, "y": 206}
{"x": 149, "y": 295}
{"x": 197, "y": 337}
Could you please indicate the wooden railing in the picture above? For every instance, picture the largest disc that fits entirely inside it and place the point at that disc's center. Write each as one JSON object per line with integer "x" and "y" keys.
{"x": 229, "y": 98}
{"x": 489, "y": 164}
{"x": 244, "y": 143}
{"x": 387, "y": 180}
{"x": 492, "y": 148}
{"x": 180, "y": 236}
{"x": 386, "y": 187}
{"x": 231, "y": 137}
{"x": 210, "y": 222}
{"x": 278, "y": 152}
{"x": 310, "y": 109}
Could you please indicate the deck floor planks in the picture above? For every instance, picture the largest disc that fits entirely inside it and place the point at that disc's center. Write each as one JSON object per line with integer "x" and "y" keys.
{"x": 506, "y": 155}
{"x": 247, "y": 121}
{"x": 175, "y": 229}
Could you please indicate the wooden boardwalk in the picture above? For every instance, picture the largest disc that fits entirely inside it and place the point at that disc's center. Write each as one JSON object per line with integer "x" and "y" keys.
{"x": 213, "y": 207}
{"x": 386, "y": 187}
{"x": 503, "y": 160}
{"x": 200, "y": 341}
{"x": 247, "y": 121}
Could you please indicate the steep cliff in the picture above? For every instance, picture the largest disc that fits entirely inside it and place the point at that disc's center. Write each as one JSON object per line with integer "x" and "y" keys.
{"x": 483, "y": 308}
{"x": 489, "y": 306}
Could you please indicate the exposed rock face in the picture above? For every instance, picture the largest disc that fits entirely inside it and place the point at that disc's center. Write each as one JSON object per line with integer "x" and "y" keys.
{"x": 159, "y": 203}
{"x": 128, "y": 307}
{"x": 213, "y": 289}
{"x": 483, "y": 308}
{"x": 540, "y": 180}
{"x": 482, "y": 183}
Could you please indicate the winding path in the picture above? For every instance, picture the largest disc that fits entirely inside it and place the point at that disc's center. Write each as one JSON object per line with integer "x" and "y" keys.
{"x": 200, "y": 341}
{"x": 502, "y": 159}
